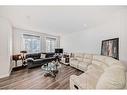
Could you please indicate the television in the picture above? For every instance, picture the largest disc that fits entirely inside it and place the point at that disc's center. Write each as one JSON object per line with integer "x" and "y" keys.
{"x": 59, "y": 50}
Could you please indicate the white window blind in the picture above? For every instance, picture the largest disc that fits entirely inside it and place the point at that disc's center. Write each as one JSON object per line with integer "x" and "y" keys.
{"x": 31, "y": 43}
{"x": 50, "y": 44}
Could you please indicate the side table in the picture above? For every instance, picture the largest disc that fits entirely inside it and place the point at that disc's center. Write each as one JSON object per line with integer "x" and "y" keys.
{"x": 16, "y": 58}
{"x": 65, "y": 59}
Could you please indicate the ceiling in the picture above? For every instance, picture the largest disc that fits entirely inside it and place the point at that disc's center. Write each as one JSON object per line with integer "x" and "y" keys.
{"x": 58, "y": 19}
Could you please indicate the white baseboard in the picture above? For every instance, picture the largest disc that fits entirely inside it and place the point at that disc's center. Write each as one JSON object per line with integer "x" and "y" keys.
{"x": 5, "y": 75}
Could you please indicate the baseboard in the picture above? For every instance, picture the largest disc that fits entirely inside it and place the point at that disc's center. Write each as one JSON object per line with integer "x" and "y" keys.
{"x": 5, "y": 75}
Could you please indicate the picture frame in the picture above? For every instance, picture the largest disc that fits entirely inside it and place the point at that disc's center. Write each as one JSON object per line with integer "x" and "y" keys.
{"x": 110, "y": 48}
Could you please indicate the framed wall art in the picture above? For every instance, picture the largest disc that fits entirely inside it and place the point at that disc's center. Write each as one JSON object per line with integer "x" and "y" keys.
{"x": 110, "y": 48}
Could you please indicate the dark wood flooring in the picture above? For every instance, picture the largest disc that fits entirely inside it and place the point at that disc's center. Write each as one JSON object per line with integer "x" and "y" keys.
{"x": 35, "y": 79}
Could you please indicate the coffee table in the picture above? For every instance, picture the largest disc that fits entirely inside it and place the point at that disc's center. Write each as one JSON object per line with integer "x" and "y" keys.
{"x": 51, "y": 68}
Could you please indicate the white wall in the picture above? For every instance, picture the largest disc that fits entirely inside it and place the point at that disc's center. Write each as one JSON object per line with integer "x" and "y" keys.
{"x": 5, "y": 47}
{"x": 90, "y": 39}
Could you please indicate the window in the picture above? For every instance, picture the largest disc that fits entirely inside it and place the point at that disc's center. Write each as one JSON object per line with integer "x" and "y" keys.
{"x": 50, "y": 44}
{"x": 31, "y": 43}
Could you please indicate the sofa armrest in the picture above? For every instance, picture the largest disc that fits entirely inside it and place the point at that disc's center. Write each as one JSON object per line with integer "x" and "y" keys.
{"x": 72, "y": 83}
{"x": 29, "y": 59}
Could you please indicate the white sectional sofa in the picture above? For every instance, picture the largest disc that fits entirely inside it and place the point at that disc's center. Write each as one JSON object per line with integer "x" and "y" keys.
{"x": 100, "y": 72}
{"x": 81, "y": 61}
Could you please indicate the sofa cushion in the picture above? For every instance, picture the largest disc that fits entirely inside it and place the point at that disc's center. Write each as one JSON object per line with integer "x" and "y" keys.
{"x": 100, "y": 64}
{"x": 82, "y": 66}
{"x": 87, "y": 80}
{"x": 110, "y": 61}
{"x": 112, "y": 78}
{"x": 92, "y": 78}
{"x": 88, "y": 56}
{"x": 94, "y": 72}
{"x": 99, "y": 58}
{"x": 87, "y": 61}
{"x": 34, "y": 56}
{"x": 74, "y": 63}
{"x": 79, "y": 56}
{"x": 94, "y": 67}
{"x": 48, "y": 55}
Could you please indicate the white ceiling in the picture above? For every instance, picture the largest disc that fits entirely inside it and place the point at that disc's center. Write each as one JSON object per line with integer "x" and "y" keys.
{"x": 58, "y": 19}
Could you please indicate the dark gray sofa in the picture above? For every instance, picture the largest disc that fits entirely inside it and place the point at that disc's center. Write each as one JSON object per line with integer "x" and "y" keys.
{"x": 34, "y": 60}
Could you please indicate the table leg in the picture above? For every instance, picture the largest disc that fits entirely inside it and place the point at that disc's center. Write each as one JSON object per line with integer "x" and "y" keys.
{"x": 16, "y": 63}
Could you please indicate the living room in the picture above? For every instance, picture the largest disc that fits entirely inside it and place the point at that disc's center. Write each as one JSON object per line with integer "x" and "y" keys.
{"x": 71, "y": 37}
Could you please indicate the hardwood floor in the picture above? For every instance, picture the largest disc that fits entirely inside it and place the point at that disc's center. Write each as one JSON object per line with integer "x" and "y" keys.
{"x": 35, "y": 79}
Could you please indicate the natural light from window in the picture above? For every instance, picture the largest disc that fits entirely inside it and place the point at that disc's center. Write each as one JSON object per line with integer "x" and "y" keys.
{"x": 50, "y": 44}
{"x": 31, "y": 43}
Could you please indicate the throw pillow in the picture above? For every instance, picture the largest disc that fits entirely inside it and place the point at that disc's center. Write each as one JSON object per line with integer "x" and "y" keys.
{"x": 43, "y": 55}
